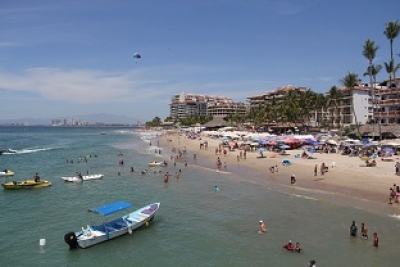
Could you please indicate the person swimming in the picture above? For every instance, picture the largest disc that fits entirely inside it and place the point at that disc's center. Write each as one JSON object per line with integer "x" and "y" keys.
{"x": 289, "y": 246}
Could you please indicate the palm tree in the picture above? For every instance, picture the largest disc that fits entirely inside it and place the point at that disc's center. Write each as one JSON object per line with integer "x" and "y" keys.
{"x": 392, "y": 31}
{"x": 334, "y": 96}
{"x": 320, "y": 104}
{"x": 306, "y": 102}
{"x": 350, "y": 81}
{"x": 369, "y": 52}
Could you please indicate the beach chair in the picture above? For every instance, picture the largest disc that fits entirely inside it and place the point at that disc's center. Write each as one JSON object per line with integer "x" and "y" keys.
{"x": 286, "y": 162}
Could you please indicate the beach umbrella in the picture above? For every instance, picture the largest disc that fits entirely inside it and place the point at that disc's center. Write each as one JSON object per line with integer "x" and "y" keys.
{"x": 247, "y": 142}
{"x": 388, "y": 150}
{"x": 284, "y": 146}
{"x": 272, "y": 143}
{"x": 331, "y": 142}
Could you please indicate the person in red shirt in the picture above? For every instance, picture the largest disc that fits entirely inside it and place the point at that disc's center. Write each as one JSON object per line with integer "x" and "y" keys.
{"x": 289, "y": 246}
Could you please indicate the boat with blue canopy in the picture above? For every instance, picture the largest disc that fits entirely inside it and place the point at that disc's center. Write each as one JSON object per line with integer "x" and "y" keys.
{"x": 110, "y": 229}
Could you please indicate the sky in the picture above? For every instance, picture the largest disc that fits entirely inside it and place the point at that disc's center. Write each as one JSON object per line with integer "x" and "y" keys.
{"x": 62, "y": 58}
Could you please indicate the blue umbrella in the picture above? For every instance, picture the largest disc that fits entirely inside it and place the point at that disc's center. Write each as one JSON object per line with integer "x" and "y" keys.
{"x": 388, "y": 150}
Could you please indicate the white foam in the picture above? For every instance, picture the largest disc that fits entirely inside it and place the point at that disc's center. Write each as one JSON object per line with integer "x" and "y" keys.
{"x": 305, "y": 197}
{"x": 396, "y": 216}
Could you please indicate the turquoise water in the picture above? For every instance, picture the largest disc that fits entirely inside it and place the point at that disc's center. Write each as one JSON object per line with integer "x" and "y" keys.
{"x": 195, "y": 226}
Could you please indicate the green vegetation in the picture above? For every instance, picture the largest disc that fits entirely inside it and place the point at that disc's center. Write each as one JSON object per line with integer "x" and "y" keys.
{"x": 300, "y": 108}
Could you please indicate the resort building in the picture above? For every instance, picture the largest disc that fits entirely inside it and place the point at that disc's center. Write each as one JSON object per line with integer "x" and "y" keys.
{"x": 387, "y": 101}
{"x": 185, "y": 105}
{"x": 217, "y": 109}
{"x": 262, "y": 100}
{"x": 354, "y": 107}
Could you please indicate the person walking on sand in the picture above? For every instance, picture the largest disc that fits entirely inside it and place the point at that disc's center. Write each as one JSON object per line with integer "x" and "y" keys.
{"x": 292, "y": 179}
{"x": 262, "y": 228}
{"x": 392, "y": 195}
{"x": 322, "y": 168}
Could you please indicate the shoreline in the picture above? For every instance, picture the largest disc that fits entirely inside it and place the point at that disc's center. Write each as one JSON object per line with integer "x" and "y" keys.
{"x": 346, "y": 183}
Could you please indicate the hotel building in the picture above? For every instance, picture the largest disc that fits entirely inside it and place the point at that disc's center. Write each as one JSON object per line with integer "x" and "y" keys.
{"x": 185, "y": 105}
{"x": 387, "y": 101}
{"x": 258, "y": 102}
{"x": 354, "y": 107}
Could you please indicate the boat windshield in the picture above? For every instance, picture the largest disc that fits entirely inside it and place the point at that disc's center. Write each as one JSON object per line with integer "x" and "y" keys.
{"x": 111, "y": 208}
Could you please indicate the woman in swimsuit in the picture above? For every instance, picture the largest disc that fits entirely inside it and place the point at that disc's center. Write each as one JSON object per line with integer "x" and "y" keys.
{"x": 364, "y": 231}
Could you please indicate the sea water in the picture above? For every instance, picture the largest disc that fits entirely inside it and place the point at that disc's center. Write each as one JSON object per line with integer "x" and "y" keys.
{"x": 195, "y": 225}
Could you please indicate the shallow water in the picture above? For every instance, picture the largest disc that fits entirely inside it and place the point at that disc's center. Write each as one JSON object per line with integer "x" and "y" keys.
{"x": 195, "y": 226}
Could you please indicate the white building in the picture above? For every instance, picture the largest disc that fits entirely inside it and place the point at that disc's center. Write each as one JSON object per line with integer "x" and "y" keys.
{"x": 355, "y": 107}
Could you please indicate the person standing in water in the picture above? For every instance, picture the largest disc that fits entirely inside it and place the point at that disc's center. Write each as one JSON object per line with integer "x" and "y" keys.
{"x": 376, "y": 240}
{"x": 353, "y": 229}
{"x": 262, "y": 228}
{"x": 364, "y": 231}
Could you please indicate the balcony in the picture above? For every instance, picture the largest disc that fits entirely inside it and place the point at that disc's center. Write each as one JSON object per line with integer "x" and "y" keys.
{"x": 389, "y": 114}
{"x": 387, "y": 102}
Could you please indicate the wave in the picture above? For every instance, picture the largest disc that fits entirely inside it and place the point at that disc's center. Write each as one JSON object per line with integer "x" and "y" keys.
{"x": 396, "y": 216}
{"x": 210, "y": 169}
{"x": 304, "y": 197}
{"x": 25, "y": 151}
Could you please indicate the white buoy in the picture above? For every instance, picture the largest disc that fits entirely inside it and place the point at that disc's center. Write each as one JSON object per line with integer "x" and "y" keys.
{"x": 42, "y": 242}
{"x": 130, "y": 230}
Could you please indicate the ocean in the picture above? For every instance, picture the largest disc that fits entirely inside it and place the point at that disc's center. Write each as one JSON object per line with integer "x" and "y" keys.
{"x": 195, "y": 225}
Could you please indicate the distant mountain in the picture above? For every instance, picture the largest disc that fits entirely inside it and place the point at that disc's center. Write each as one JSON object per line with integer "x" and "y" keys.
{"x": 92, "y": 118}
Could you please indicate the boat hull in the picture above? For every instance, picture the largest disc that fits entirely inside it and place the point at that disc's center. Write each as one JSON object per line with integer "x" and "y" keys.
{"x": 28, "y": 184}
{"x": 156, "y": 164}
{"x": 123, "y": 225}
{"x": 84, "y": 178}
{"x": 6, "y": 173}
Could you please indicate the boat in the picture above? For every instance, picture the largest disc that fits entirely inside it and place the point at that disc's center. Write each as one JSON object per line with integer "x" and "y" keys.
{"x": 7, "y": 151}
{"x": 7, "y": 172}
{"x": 27, "y": 184}
{"x": 84, "y": 178}
{"x": 156, "y": 164}
{"x": 110, "y": 229}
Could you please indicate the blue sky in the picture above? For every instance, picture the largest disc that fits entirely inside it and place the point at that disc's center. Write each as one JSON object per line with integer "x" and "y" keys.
{"x": 63, "y": 58}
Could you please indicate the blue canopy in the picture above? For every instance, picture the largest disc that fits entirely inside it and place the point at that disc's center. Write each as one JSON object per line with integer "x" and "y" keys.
{"x": 111, "y": 208}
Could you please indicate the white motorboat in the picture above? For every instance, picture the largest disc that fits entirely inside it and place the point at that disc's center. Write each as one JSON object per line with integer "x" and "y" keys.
{"x": 84, "y": 178}
{"x": 95, "y": 234}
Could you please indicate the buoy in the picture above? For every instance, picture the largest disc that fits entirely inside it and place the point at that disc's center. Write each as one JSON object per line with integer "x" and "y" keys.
{"x": 147, "y": 223}
{"x": 42, "y": 242}
{"x": 130, "y": 230}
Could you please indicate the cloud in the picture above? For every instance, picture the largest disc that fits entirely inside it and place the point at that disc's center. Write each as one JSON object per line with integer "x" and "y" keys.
{"x": 90, "y": 86}
{"x": 80, "y": 86}
{"x": 10, "y": 44}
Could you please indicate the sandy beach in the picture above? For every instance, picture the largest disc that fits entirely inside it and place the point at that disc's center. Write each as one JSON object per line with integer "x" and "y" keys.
{"x": 346, "y": 177}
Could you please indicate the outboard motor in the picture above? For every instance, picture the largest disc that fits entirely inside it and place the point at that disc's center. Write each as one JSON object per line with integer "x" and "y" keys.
{"x": 71, "y": 239}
